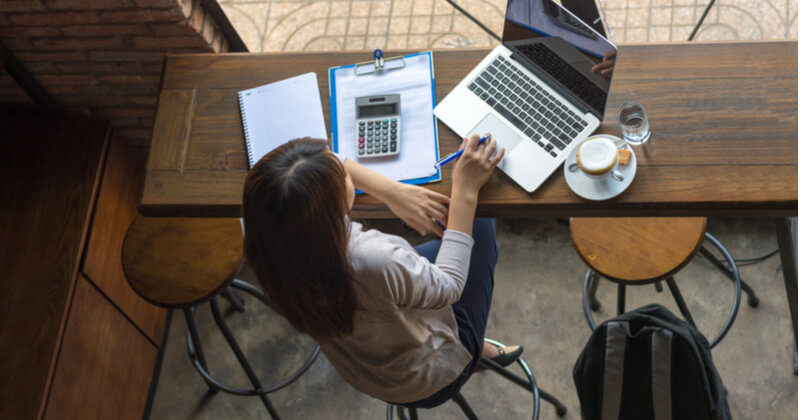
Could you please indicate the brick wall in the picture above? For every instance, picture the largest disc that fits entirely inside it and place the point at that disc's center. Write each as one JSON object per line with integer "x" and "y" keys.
{"x": 103, "y": 58}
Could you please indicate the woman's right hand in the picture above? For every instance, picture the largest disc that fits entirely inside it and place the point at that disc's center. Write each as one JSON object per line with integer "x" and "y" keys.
{"x": 470, "y": 173}
{"x": 475, "y": 165}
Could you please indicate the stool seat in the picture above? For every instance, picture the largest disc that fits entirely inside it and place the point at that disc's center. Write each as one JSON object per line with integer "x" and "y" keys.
{"x": 637, "y": 250}
{"x": 176, "y": 262}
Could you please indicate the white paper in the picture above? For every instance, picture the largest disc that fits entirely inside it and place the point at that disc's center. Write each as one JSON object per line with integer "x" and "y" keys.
{"x": 418, "y": 149}
{"x": 278, "y": 112}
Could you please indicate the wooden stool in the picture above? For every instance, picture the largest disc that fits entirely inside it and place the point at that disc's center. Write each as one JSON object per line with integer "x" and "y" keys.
{"x": 182, "y": 262}
{"x": 528, "y": 383}
{"x": 639, "y": 251}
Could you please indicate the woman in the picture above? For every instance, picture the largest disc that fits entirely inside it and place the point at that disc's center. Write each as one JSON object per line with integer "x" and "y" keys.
{"x": 400, "y": 324}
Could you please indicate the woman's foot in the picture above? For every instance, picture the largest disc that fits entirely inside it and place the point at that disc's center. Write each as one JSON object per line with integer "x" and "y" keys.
{"x": 503, "y": 356}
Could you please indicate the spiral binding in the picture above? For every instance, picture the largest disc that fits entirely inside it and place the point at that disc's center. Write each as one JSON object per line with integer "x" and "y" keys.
{"x": 246, "y": 133}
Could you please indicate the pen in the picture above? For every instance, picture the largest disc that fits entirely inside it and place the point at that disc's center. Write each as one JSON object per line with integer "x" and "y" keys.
{"x": 453, "y": 156}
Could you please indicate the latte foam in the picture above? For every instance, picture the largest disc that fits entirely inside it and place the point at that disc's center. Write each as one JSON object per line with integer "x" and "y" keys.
{"x": 597, "y": 156}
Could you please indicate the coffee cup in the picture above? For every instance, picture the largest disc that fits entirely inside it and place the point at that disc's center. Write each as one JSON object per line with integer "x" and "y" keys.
{"x": 598, "y": 158}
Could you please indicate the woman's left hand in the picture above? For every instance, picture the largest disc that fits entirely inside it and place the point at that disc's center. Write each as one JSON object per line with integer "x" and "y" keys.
{"x": 419, "y": 207}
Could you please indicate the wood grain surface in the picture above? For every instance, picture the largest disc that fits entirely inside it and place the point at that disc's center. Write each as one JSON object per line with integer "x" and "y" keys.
{"x": 49, "y": 175}
{"x": 119, "y": 197}
{"x": 174, "y": 262}
{"x": 723, "y": 117}
{"x": 637, "y": 250}
{"x": 105, "y": 365}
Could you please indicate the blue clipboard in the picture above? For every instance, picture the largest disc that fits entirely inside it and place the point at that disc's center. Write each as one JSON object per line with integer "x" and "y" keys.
{"x": 384, "y": 65}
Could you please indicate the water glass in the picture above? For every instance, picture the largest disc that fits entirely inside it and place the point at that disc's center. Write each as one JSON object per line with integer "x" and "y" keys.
{"x": 633, "y": 120}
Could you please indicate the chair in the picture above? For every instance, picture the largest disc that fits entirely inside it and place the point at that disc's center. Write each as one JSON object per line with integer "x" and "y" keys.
{"x": 640, "y": 251}
{"x": 528, "y": 383}
{"x": 183, "y": 262}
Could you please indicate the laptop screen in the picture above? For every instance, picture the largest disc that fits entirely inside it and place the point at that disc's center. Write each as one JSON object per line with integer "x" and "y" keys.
{"x": 527, "y": 19}
{"x": 591, "y": 59}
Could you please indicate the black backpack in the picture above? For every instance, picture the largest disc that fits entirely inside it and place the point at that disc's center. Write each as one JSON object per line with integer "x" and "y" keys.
{"x": 648, "y": 364}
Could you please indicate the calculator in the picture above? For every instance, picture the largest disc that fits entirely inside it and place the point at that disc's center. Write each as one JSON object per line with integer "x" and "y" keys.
{"x": 378, "y": 125}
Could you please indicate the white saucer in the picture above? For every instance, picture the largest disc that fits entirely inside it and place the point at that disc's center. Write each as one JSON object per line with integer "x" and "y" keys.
{"x": 603, "y": 189}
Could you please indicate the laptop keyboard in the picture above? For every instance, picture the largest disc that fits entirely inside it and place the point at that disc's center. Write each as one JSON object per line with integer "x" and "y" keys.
{"x": 560, "y": 70}
{"x": 527, "y": 106}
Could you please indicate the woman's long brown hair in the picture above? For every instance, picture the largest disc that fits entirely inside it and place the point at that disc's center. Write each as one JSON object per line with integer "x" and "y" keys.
{"x": 296, "y": 233}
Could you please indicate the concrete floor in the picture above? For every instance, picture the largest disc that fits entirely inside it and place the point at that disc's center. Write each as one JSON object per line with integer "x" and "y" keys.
{"x": 537, "y": 303}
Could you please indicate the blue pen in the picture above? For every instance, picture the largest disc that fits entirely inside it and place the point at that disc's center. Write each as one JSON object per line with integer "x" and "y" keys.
{"x": 453, "y": 156}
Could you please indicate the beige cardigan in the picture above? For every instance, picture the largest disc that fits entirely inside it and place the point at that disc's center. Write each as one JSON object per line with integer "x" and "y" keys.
{"x": 404, "y": 346}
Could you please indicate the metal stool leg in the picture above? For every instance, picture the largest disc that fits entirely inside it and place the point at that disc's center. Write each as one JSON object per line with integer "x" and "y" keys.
{"x": 620, "y": 299}
{"x": 462, "y": 403}
{"x": 786, "y": 232}
{"x": 737, "y": 288}
{"x": 401, "y": 413}
{"x": 752, "y": 299}
{"x": 561, "y": 409}
{"x": 529, "y": 385}
{"x": 587, "y": 311}
{"x": 240, "y": 356}
{"x": 413, "y": 413}
{"x": 199, "y": 362}
{"x": 659, "y": 287}
{"x": 233, "y": 298}
{"x": 195, "y": 341}
{"x": 594, "y": 304}
{"x": 673, "y": 288}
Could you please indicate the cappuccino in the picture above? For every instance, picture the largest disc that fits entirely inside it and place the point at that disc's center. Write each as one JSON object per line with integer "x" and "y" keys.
{"x": 597, "y": 156}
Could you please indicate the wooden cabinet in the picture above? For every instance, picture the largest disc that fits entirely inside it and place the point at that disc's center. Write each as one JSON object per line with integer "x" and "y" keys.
{"x": 72, "y": 345}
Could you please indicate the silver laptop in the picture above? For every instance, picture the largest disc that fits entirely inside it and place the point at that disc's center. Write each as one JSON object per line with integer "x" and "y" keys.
{"x": 536, "y": 93}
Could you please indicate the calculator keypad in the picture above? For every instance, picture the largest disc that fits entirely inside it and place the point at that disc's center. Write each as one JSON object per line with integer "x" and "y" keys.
{"x": 378, "y": 137}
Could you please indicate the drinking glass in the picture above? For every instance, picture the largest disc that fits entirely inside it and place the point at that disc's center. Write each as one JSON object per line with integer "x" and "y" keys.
{"x": 633, "y": 120}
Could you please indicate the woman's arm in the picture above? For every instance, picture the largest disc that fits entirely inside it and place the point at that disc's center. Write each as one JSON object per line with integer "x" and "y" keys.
{"x": 471, "y": 171}
{"x": 419, "y": 207}
{"x": 415, "y": 282}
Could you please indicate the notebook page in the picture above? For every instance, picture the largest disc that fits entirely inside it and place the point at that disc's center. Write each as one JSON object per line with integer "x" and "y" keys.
{"x": 278, "y": 112}
{"x": 418, "y": 149}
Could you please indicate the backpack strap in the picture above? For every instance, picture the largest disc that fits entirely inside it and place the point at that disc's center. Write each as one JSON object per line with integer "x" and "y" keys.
{"x": 661, "y": 375}
{"x": 614, "y": 370}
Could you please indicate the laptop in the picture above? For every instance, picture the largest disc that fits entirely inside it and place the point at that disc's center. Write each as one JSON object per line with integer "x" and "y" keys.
{"x": 536, "y": 93}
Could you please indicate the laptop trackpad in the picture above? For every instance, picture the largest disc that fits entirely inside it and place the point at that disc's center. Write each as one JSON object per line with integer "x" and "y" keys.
{"x": 504, "y": 136}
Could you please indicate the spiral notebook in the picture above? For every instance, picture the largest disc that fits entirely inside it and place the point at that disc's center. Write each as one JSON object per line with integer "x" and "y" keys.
{"x": 281, "y": 111}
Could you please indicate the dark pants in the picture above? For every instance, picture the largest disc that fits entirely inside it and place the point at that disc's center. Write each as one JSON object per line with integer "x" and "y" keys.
{"x": 472, "y": 309}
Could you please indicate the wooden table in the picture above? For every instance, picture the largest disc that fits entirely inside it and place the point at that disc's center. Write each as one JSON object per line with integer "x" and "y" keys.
{"x": 723, "y": 117}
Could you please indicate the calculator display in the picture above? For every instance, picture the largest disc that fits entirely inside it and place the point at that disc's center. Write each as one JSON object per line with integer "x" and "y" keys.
{"x": 376, "y": 110}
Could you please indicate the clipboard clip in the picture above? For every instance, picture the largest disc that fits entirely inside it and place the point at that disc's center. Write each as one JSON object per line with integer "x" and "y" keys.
{"x": 379, "y": 64}
{"x": 378, "y": 56}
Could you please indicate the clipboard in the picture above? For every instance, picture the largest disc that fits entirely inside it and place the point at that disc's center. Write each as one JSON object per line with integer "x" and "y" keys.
{"x": 412, "y": 77}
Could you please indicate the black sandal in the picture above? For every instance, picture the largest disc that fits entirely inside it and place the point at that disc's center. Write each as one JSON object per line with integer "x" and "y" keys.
{"x": 503, "y": 359}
